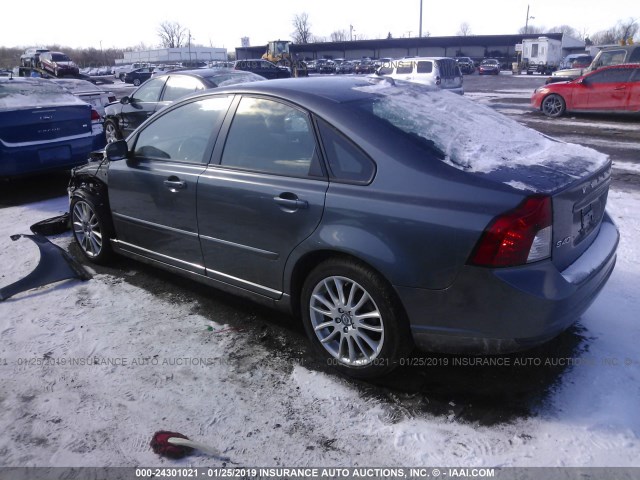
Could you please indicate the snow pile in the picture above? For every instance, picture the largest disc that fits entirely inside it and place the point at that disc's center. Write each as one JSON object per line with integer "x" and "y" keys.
{"x": 474, "y": 137}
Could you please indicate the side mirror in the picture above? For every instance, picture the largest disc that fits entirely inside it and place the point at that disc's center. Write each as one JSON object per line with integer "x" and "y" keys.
{"x": 125, "y": 100}
{"x": 117, "y": 150}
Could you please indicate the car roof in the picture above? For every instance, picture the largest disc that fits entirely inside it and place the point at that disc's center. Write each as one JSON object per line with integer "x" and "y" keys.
{"x": 311, "y": 90}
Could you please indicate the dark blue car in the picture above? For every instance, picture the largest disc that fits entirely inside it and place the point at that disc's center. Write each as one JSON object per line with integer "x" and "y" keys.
{"x": 381, "y": 215}
{"x": 138, "y": 76}
{"x": 43, "y": 127}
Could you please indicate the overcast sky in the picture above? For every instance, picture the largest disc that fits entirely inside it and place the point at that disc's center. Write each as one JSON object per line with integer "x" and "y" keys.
{"x": 120, "y": 23}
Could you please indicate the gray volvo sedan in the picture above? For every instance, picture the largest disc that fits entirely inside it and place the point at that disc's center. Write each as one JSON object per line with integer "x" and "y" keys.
{"x": 383, "y": 215}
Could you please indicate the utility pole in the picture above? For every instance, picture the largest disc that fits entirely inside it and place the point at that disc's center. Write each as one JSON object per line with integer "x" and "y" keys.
{"x": 190, "y": 49}
{"x": 420, "y": 30}
{"x": 526, "y": 23}
{"x": 351, "y": 29}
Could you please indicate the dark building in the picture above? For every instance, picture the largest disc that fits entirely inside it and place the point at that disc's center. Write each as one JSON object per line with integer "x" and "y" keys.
{"x": 474, "y": 46}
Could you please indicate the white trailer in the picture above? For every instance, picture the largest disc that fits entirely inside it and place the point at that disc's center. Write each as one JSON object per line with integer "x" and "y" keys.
{"x": 541, "y": 55}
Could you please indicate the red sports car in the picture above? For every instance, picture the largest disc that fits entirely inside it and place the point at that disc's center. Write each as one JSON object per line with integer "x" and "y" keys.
{"x": 609, "y": 88}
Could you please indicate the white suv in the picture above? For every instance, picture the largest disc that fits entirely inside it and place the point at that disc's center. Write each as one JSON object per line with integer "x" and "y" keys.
{"x": 442, "y": 72}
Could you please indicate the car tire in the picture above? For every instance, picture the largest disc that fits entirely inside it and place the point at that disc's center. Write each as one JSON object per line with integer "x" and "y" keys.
{"x": 91, "y": 229}
{"x": 553, "y": 105}
{"x": 121, "y": 77}
{"x": 136, "y": 82}
{"x": 353, "y": 318}
{"x": 111, "y": 131}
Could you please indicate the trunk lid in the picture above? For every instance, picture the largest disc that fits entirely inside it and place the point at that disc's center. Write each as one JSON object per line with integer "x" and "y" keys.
{"x": 48, "y": 123}
{"x": 577, "y": 214}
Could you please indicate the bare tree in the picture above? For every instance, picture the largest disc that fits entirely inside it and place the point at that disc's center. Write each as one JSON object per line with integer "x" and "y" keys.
{"x": 464, "y": 30}
{"x": 532, "y": 29}
{"x": 623, "y": 31}
{"x": 628, "y": 28}
{"x": 172, "y": 34}
{"x": 302, "y": 32}
{"x": 339, "y": 36}
{"x": 567, "y": 30}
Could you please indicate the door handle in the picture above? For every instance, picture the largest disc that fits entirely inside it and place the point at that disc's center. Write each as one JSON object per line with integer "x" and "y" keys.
{"x": 620, "y": 88}
{"x": 174, "y": 184}
{"x": 290, "y": 201}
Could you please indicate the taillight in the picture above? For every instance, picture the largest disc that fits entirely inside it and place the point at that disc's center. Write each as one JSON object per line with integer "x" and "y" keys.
{"x": 94, "y": 115}
{"x": 522, "y": 235}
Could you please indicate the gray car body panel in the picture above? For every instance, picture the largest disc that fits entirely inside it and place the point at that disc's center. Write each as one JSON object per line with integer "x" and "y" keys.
{"x": 416, "y": 223}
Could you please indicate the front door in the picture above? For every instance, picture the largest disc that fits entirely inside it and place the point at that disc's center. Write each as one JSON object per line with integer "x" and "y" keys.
{"x": 153, "y": 192}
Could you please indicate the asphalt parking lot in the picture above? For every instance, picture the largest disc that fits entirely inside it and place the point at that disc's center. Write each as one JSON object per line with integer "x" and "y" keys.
{"x": 478, "y": 393}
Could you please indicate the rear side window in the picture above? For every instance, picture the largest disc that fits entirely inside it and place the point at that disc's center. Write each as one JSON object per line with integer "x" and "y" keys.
{"x": 346, "y": 161}
{"x": 425, "y": 67}
{"x": 635, "y": 56}
{"x": 271, "y": 137}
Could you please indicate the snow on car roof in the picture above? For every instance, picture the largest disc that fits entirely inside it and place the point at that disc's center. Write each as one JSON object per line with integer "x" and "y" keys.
{"x": 472, "y": 136}
{"x": 19, "y": 93}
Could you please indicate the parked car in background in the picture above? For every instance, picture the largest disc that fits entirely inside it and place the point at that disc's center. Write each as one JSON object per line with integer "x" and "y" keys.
{"x": 287, "y": 192}
{"x": 125, "y": 116}
{"x": 58, "y": 64}
{"x": 264, "y": 68}
{"x": 121, "y": 70}
{"x": 613, "y": 88}
{"x": 324, "y": 65}
{"x": 605, "y": 57}
{"x": 441, "y": 72}
{"x": 87, "y": 91}
{"x": 366, "y": 65}
{"x": 43, "y": 127}
{"x": 31, "y": 57}
{"x": 311, "y": 66}
{"x": 467, "y": 67}
{"x": 138, "y": 76}
{"x": 345, "y": 67}
{"x": 489, "y": 66}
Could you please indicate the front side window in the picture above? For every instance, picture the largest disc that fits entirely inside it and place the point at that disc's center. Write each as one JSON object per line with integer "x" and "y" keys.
{"x": 271, "y": 137}
{"x": 613, "y": 57}
{"x": 150, "y": 91}
{"x": 179, "y": 86}
{"x": 614, "y": 75}
{"x": 183, "y": 134}
{"x": 404, "y": 68}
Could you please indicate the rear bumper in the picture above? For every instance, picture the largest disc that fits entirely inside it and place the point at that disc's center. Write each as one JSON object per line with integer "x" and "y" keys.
{"x": 491, "y": 311}
{"x": 54, "y": 155}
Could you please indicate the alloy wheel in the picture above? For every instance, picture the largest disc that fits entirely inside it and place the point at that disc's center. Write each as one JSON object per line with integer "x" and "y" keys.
{"x": 86, "y": 228}
{"x": 346, "y": 321}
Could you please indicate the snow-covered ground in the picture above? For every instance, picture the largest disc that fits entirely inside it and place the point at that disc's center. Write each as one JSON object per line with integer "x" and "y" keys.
{"x": 90, "y": 370}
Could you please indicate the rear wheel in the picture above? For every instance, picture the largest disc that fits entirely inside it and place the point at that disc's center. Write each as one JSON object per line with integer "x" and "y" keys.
{"x": 91, "y": 230}
{"x": 353, "y": 318}
{"x": 136, "y": 82}
{"x": 553, "y": 105}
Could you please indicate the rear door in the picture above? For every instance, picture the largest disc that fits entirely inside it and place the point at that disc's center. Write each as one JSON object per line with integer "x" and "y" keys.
{"x": 153, "y": 192}
{"x": 263, "y": 198}
{"x": 141, "y": 105}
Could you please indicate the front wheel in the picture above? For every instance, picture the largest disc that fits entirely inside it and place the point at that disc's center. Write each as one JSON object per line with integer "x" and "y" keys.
{"x": 136, "y": 82}
{"x": 111, "y": 131}
{"x": 553, "y": 105}
{"x": 353, "y": 319}
{"x": 91, "y": 230}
